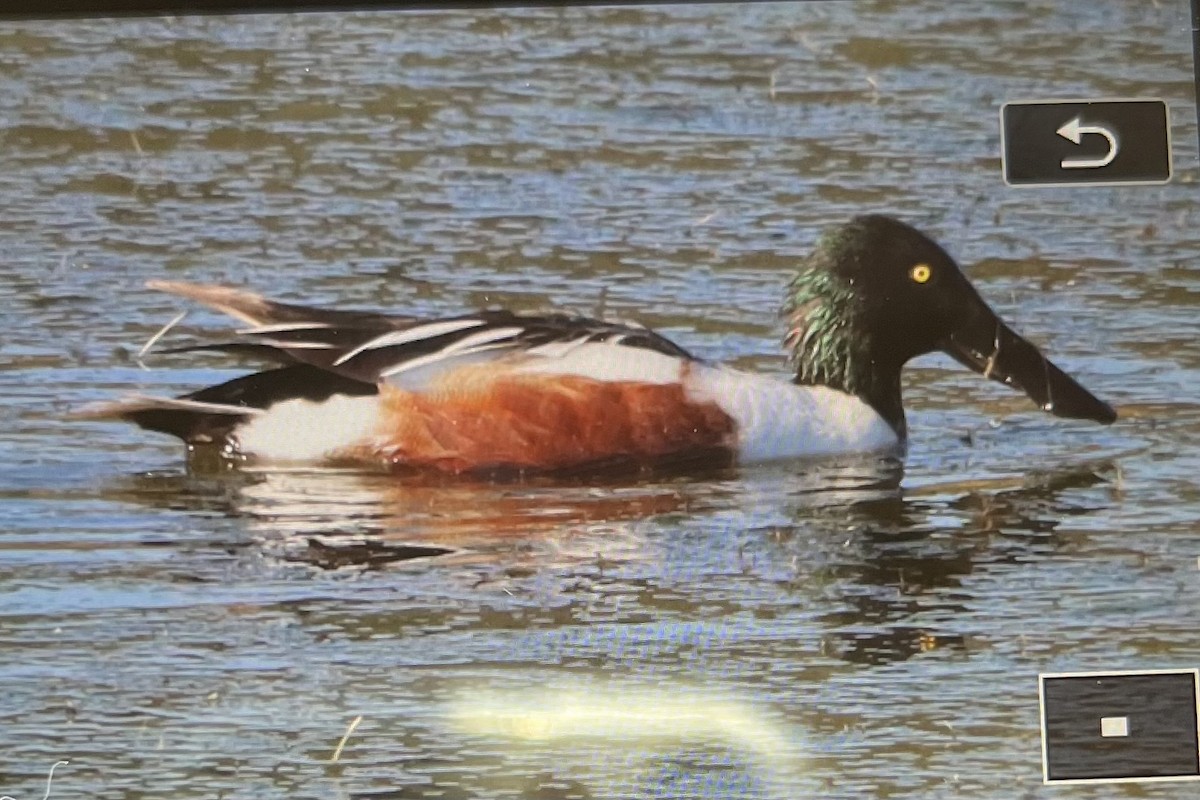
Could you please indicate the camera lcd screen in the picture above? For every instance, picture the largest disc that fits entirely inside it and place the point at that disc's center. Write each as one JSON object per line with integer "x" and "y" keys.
{"x": 702, "y": 400}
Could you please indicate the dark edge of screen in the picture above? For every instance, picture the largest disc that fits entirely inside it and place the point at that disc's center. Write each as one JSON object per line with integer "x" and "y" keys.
{"x": 67, "y": 9}
{"x": 1196, "y": 58}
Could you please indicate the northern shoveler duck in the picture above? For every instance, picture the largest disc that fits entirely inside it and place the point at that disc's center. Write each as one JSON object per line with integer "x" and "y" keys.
{"x": 500, "y": 391}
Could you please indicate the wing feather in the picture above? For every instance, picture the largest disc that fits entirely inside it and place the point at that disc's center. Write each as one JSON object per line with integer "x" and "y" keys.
{"x": 373, "y": 348}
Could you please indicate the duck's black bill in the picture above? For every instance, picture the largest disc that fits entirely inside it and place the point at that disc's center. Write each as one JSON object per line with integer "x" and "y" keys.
{"x": 991, "y": 348}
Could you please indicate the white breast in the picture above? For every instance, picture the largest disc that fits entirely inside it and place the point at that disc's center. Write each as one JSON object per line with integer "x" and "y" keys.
{"x": 777, "y": 419}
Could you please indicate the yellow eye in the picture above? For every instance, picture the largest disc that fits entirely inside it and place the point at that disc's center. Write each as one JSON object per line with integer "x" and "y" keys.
{"x": 921, "y": 273}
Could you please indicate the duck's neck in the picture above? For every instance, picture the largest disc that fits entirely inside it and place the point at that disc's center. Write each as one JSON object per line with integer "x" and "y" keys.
{"x": 828, "y": 349}
{"x": 883, "y": 396}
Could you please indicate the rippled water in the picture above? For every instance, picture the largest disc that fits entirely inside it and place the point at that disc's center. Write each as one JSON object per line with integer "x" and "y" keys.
{"x": 843, "y": 630}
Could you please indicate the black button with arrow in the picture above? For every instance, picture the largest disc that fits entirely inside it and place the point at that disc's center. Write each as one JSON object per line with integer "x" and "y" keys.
{"x": 1079, "y": 141}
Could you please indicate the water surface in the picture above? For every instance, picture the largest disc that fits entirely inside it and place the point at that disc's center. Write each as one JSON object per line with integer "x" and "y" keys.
{"x": 842, "y": 630}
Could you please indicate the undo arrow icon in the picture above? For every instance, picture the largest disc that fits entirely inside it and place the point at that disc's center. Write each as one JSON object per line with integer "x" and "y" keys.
{"x": 1074, "y": 132}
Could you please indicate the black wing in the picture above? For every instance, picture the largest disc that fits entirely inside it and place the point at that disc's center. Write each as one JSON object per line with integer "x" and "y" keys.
{"x": 371, "y": 347}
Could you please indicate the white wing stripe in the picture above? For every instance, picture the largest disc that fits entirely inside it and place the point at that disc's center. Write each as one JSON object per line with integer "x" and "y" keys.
{"x": 560, "y": 349}
{"x": 426, "y": 331}
{"x": 297, "y": 345}
{"x": 476, "y": 342}
{"x": 433, "y": 358}
{"x": 483, "y": 337}
{"x": 284, "y": 327}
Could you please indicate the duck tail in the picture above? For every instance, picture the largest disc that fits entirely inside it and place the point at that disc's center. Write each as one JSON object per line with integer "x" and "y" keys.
{"x": 193, "y": 421}
{"x": 212, "y": 414}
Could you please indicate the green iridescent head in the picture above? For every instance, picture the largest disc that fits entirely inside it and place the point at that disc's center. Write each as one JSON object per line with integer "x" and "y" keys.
{"x": 876, "y": 292}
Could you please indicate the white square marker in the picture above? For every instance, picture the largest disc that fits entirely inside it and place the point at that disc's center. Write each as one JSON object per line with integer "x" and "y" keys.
{"x": 1114, "y": 726}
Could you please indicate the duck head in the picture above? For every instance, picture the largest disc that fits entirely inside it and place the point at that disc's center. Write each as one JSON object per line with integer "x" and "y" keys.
{"x": 877, "y": 292}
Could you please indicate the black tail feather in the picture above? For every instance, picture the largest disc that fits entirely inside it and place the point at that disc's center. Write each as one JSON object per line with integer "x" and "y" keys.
{"x": 293, "y": 382}
{"x": 211, "y": 414}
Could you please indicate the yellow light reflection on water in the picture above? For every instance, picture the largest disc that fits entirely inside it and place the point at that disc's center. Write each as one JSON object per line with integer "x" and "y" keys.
{"x": 639, "y": 722}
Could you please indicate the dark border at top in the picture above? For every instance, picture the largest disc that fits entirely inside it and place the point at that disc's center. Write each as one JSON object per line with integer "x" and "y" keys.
{"x": 66, "y": 9}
